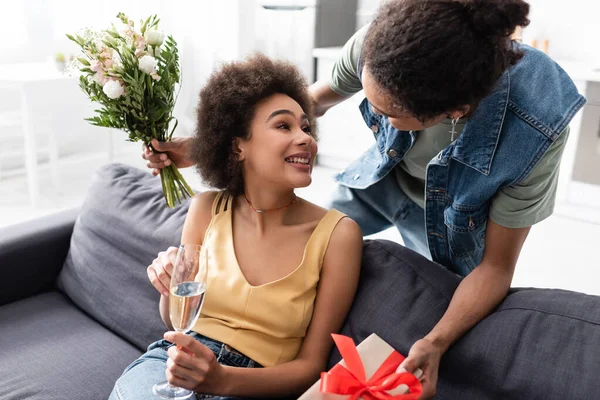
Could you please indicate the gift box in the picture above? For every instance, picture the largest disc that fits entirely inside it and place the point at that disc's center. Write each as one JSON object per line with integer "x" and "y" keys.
{"x": 367, "y": 372}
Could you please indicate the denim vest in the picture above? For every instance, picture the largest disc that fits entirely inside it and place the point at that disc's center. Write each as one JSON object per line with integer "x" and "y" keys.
{"x": 507, "y": 135}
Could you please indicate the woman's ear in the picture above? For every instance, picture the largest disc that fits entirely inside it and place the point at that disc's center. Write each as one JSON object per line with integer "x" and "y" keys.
{"x": 238, "y": 149}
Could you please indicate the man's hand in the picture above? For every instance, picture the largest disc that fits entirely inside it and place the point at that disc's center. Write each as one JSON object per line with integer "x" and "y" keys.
{"x": 192, "y": 365}
{"x": 426, "y": 356}
{"x": 176, "y": 151}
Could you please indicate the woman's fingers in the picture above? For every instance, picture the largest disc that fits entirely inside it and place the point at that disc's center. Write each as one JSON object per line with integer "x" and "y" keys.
{"x": 167, "y": 260}
{"x": 162, "y": 271}
{"x": 156, "y": 281}
{"x": 190, "y": 360}
{"x": 159, "y": 272}
{"x": 178, "y": 381}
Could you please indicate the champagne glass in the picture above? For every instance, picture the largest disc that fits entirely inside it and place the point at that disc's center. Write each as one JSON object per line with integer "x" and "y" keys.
{"x": 188, "y": 284}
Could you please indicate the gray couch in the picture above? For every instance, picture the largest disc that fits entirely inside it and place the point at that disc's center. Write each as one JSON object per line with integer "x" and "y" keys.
{"x": 76, "y": 307}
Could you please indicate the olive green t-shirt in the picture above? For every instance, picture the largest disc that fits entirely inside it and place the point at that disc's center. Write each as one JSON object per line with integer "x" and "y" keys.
{"x": 517, "y": 206}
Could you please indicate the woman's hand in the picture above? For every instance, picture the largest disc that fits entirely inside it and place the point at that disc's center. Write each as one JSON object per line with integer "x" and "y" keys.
{"x": 160, "y": 271}
{"x": 176, "y": 151}
{"x": 192, "y": 365}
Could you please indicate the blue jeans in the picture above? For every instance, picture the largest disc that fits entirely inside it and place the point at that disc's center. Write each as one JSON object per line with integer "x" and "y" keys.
{"x": 382, "y": 206}
{"x": 139, "y": 377}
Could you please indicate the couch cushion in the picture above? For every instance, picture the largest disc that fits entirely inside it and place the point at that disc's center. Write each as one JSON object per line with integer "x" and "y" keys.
{"x": 50, "y": 350}
{"x": 123, "y": 224}
{"x": 538, "y": 344}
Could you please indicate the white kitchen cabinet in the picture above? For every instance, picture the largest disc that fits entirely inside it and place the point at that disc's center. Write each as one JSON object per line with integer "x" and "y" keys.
{"x": 344, "y": 136}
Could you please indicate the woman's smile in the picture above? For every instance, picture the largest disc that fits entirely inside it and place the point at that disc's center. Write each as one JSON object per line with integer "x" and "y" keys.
{"x": 300, "y": 161}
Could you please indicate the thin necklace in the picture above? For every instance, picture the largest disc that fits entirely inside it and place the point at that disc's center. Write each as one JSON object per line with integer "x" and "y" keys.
{"x": 271, "y": 210}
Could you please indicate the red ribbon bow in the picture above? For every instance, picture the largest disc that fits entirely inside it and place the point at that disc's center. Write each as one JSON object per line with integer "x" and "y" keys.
{"x": 351, "y": 380}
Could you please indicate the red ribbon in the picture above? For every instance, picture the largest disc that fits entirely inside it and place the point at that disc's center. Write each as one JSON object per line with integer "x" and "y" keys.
{"x": 351, "y": 380}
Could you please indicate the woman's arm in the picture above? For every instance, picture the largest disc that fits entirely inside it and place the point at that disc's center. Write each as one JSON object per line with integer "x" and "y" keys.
{"x": 196, "y": 222}
{"x": 337, "y": 286}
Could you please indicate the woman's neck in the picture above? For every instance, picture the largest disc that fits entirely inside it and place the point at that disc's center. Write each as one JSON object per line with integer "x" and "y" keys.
{"x": 266, "y": 208}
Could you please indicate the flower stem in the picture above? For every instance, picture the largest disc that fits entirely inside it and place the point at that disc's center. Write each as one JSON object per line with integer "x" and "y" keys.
{"x": 174, "y": 186}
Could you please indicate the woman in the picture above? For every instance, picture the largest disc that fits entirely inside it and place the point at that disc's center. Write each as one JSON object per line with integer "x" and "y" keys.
{"x": 283, "y": 272}
{"x": 470, "y": 128}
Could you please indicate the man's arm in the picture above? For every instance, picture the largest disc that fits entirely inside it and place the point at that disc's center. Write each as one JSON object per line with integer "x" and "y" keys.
{"x": 323, "y": 97}
{"x": 475, "y": 298}
{"x": 344, "y": 80}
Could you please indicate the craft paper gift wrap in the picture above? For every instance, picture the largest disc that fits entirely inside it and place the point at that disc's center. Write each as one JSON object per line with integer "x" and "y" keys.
{"x": 367, "y": 372}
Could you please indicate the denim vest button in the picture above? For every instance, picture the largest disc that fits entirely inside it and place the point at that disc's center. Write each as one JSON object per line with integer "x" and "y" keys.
{"x": 375, "y": 128}
{"x": 392, "y": 153}
{"x": 356, "y": 176}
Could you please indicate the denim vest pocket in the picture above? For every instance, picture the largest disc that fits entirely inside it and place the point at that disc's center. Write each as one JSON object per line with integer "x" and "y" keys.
{"x": 466, "y": 229}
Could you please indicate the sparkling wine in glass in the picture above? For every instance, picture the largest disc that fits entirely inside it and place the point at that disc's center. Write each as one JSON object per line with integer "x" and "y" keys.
{"x": 188, "y": 284}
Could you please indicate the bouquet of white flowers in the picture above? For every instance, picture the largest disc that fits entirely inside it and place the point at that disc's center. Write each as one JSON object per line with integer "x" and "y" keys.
{"x": 133, "y": 75}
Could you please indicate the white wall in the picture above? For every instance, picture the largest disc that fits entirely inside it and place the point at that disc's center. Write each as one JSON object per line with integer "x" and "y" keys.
{"x": 572, "y": 28}
{"x": 366, "y": 9}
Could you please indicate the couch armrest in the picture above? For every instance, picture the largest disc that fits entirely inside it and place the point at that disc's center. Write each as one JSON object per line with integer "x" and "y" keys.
{"x": 32, "y": 254}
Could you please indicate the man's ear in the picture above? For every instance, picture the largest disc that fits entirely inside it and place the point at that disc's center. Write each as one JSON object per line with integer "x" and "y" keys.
{"x": 238, "y": 149}
{"x": 460, "y": 112}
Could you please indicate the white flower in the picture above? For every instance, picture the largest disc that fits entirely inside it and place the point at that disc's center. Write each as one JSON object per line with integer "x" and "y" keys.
{"x": 148, "y": 64}
{"x": 155, "y": 38}
{"x": 113, "y": 89}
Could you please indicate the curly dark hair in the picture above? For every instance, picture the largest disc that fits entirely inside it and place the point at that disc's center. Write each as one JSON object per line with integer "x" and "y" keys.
{"x": 434, "y": 56}
{"x": 227, "y": 107}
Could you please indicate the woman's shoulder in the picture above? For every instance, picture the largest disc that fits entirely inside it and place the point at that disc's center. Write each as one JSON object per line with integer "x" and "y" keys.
{"x": 203, "y": 207}
{"x": 199, "y": 216}
{"x": 345, "y": 242}
{"x": 203, "y": 202}
{"x": 342, "y": 226}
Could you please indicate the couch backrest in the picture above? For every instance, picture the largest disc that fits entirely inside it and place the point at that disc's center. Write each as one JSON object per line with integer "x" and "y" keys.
{"x": 122, "y": 226}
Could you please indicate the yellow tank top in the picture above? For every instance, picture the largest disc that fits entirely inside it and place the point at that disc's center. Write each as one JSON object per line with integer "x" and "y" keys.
{"x": 268, "y": 322}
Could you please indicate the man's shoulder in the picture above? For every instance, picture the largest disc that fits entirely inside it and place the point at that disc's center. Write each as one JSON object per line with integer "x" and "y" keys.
{"x": 542, "y": 93}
